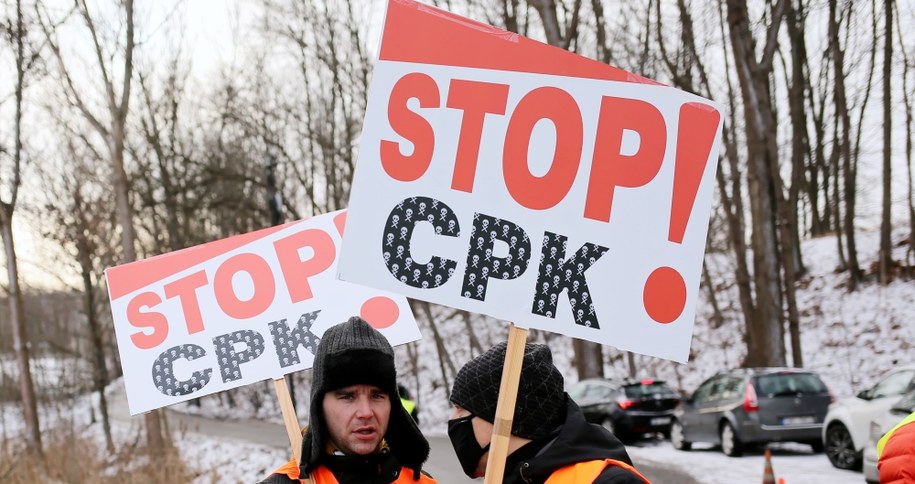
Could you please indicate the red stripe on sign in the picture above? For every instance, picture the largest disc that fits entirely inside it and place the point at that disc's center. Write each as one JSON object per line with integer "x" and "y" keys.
{"x": 127, "y": 278}
{"x": 421, "y": 34}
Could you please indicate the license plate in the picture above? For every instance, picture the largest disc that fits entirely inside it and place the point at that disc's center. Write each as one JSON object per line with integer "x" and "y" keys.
{"x": 660, "y": 421}
{"x": 797, "y": 420}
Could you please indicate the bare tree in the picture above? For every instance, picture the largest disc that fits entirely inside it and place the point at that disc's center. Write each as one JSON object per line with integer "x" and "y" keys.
{"x": 17, "y": 34}
{"x": 843, "y": 145}
{"x": 765, "y": 332}
{"x": 885, "y": 258}
{"x": 907, "y": 65}
{"x": 111, "y": 125}
{"x": 83, "y": 227}
{"x": 444, "y": 358}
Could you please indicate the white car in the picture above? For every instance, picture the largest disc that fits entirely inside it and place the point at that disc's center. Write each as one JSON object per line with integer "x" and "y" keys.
{"x": 880, "y": 426}
{"x": 846, "y": 427}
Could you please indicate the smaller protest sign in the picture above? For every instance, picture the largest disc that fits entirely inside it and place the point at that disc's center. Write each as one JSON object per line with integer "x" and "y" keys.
{"x": 238, "y": 310}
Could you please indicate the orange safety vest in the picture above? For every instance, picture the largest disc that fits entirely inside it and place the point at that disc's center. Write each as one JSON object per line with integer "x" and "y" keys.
{"x": 323, "y": 475}
{"x": 588, "y": 471}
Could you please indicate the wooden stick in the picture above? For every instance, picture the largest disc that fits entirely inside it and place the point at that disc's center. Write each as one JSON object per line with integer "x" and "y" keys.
{"x": 505, "y": 408}
{"x": 289, "y": 417}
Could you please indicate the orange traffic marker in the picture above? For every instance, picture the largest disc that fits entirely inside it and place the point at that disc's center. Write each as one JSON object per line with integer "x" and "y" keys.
{"x": 768, "y": 473}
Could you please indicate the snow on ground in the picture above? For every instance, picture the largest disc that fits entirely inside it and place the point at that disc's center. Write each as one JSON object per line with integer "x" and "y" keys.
{"x": 792, "y": 462}
{"x": 231, "y": 460}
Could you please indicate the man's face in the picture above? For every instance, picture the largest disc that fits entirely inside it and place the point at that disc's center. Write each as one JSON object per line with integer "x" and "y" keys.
{"x": 357, "y": 418}
{"x": 482, "y": 430}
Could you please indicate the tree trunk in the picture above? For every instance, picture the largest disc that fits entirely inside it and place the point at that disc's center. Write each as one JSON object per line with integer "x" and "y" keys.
{"x": 800, "y": 139}
{"x": 820, "y": 221}
{"x": 100, "y": 370}
{"x": 633, "y": 370}
{"x": 444, "y": 358}
{"x": 20, "y": 335}
{"x": 14, "y": 290}
{"x": 836, "y": 206}
{"x": 589, "y": 359}
{"x": 886, "y": 244}
{"x": 717, "y": 317}
{"x": 475, "y": 347}
{"x": 908, "y": 150}
{"x": 155, "y": 437}
{"x": 733, "y": 205}
{"x": 848, "y": 170}
{"x": 413, "y": 355}
{"x": 766, "y": 334}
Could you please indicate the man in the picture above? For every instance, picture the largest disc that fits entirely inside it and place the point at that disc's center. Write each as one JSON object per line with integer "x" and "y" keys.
{"x": 358, "y": 432}
{"x": 407, "y": 403}
{"x": 550, "y": 440}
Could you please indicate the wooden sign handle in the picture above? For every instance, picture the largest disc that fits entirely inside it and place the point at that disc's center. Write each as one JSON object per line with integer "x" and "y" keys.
{"x": 505, "y": 408}
{"x": 289, "y": 417}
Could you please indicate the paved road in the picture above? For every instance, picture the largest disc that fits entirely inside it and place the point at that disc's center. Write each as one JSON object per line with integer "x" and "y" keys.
{"x": 442, "y": 463}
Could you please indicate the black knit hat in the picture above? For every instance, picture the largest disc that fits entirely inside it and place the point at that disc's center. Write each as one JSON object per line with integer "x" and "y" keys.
{"x": 353, "y": 353}
{"x": 540, "y": 407}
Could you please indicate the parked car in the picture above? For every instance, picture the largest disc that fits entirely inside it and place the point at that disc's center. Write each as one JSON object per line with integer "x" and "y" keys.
{"x": 753, "y": 406}
{"x": 627, "y": 408}
{"x": 880, "y": 426}
{"x": 846, "y": 428}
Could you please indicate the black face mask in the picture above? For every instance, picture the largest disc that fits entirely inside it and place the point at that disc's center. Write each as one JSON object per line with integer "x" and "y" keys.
{"x": 465, "y": 444}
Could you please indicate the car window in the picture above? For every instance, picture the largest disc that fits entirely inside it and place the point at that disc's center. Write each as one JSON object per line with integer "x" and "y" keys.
{"x": 731, "y": 388}
{"x": 646, "y": 389}
{"x": 704, "y": 392}
{"x": 577, "y": 391}
{"x": 599, "y": 391}
{"x": 895, "y": 384}
{"x": 906, "y": 404}
{"x": 789, "y": 384}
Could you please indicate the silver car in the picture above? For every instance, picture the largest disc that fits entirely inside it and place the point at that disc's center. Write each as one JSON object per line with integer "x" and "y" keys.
{"x": 753, "y": 406}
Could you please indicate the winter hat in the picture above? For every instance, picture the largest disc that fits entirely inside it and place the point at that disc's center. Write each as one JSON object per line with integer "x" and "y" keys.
{"x": 354, "y": 353}
{"x": 540, "y": 407}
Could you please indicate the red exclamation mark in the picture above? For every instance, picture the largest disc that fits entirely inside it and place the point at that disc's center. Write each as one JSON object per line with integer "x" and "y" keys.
{"x": 379, "y": 311}
{"x": 664, "y": 295}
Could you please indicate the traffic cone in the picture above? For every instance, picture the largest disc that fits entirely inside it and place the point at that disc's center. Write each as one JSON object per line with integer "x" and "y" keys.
{"x": 768, "y": 473}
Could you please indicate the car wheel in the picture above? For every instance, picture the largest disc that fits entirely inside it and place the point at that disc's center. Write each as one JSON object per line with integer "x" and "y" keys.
{"x": 677, "y": 439}
{"x": 614, "y": 429}
{"x": 730, "y": 444}
{"x": 841, "y": 449}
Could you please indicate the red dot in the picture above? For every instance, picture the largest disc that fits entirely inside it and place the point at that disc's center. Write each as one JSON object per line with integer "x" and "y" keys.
{"x": 380, "y": 312}
{"x": 664, "y": 295}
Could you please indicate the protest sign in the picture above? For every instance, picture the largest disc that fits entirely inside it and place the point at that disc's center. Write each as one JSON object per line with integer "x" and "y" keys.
{"x": 238, "y": 310}
{"x": 507, "y": 177}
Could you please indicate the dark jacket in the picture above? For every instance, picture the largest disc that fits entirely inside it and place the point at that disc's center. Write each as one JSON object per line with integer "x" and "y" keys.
{"x": 574, "y": 441}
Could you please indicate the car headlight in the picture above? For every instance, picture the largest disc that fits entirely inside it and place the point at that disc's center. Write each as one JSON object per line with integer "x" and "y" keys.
{"x": 876, "y": 431}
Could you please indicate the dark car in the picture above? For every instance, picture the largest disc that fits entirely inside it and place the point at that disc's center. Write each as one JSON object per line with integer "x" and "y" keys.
{"x": 627, "y": 408}
{"x": 753, "y": 406}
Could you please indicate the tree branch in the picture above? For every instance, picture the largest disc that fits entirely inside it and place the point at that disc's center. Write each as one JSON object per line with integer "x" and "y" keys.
{"x": 765, "y": 64}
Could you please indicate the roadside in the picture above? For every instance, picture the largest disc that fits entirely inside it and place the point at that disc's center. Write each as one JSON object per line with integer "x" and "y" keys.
{"x": 442, "y": 463}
